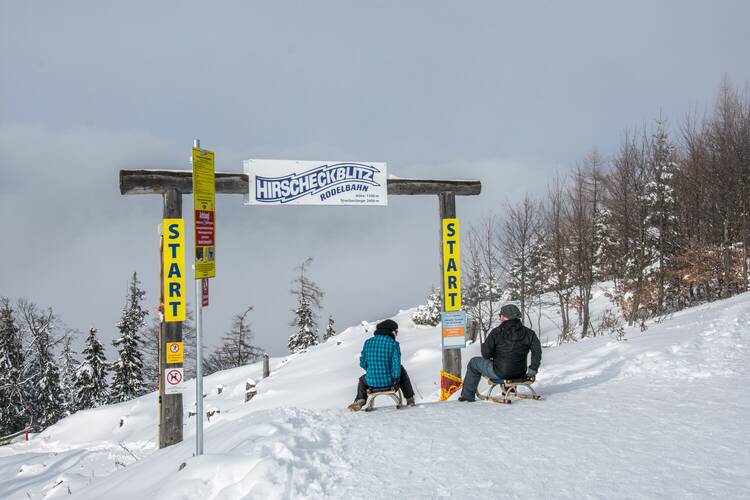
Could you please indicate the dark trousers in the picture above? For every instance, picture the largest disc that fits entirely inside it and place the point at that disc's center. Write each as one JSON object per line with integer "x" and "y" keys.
{"x": 477, "y": 367}
{"x": 403, "y": 382}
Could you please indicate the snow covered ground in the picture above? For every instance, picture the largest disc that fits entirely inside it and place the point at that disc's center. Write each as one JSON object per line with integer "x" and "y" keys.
{"x": 664, "y": 414}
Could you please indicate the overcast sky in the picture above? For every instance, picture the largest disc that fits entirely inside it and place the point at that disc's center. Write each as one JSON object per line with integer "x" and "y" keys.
{"x": 503, "y": 92}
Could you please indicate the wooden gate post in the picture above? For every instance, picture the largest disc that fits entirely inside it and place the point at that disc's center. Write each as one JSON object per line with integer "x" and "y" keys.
{"x": 451, "y": 357}
{"x": 170, "y": 405}
{"x": 266, "y": 371}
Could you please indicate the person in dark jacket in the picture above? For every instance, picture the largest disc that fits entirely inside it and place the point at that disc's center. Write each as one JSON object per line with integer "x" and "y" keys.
{"x": 504, "y": 353}
{"x": 381, "y": 360}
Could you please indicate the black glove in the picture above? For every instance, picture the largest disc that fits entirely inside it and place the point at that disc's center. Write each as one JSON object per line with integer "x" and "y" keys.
{"x": 531, "y": 373}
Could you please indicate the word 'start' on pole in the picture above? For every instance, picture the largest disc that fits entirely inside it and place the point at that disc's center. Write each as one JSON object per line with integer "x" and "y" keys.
{"x": 170, "y": 405}
{"x": 447, "y": 203}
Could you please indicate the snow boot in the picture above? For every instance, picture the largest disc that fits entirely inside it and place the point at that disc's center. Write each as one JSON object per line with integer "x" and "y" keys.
{"x": 410, "y": 402}
{"x": 461, "y": 398}
{"x": 357, "y": 405}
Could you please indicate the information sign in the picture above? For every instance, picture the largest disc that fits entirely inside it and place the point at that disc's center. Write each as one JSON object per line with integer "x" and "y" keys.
{"x": 454, "y": 329}
{"x": 175, "y": 352}
{"x": 204, "y": 188}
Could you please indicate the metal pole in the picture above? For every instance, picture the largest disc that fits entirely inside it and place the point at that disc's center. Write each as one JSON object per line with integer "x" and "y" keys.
{"x": 198, "y": 355}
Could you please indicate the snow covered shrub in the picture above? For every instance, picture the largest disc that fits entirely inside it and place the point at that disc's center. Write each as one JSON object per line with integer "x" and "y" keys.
{"x": 330, "y": 329}
{"x": 429, "y": 314}
{"x": 611, "y": 323}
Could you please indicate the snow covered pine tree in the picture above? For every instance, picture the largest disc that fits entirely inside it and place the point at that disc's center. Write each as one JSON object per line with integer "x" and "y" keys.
{"x": 68, "y": 375}
{"x": 12, "y": 412}
{"x": 330, "y": 331}
{"x": 43, "y": 393}
{"x": 128, "y": 369}
{"x": 429, "y": 314}
{"x": 306, "y": 334}
{"x": 91, "y": 377}
{"x": 661, "y": 222}
{"x": 49, "y": 403}
{"x": 308, "y": 295}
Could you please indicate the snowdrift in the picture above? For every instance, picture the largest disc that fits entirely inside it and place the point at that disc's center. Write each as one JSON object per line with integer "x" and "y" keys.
{"x": 664, "y": 414}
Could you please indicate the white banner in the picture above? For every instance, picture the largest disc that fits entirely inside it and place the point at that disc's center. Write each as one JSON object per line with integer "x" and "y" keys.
{"x": 289, "y": 182}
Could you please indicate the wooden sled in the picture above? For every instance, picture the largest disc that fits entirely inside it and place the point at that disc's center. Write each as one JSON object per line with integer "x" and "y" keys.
{"x": 393, "y": 393}
{"x": 509, "y": 390}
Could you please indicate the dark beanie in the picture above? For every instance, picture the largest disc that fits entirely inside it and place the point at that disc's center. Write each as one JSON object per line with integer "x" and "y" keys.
{"x": 388, "y": 325}
{"x": 510, "y": 311}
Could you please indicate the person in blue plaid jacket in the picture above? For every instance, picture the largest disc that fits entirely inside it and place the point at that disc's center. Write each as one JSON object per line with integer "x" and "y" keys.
{"x": 381, "y": 359}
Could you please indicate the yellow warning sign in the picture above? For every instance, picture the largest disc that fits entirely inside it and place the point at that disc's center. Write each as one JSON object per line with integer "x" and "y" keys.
{"x": 204, "y": 189}
{"x": 175, "y": 352}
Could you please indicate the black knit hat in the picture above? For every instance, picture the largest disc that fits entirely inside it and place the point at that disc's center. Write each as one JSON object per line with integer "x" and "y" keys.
{"x": 510, "y": 311}
{"x": 388, "y": 325}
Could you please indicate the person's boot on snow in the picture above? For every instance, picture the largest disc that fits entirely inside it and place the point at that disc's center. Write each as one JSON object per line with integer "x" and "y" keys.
{"x": 357, "y": 405}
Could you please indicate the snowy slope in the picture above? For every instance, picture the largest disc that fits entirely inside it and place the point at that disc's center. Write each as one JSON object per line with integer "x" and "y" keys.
{"x": 664, "y": 414}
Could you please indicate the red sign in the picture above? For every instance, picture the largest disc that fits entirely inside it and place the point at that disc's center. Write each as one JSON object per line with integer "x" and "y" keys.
{"x": 174, "y": 376}
{"x": 204, "y": 228}
{"x": 204, "y": 295}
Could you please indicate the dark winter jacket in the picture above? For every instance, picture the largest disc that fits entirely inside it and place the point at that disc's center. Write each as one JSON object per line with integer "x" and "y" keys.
{"x": 381, "y": 358}
{"x": 508, "y": 346}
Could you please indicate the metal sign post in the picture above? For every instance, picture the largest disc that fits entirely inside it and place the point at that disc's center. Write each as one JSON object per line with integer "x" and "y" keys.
{"x": 198, "y": 369}
{"x": 204, "y": 210}
{"x": 199, "y": 332}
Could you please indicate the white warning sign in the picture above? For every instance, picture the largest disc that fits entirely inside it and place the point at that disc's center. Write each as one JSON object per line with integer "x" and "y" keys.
{"x": 173, "y": 380}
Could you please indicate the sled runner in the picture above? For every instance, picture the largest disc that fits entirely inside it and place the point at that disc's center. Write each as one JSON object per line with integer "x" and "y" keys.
{"x": 392, "y": 392}
{"x": 509, "y": 390}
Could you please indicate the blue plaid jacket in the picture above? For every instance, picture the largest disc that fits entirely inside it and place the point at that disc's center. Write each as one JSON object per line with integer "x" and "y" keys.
{"x": 381, "y": 358}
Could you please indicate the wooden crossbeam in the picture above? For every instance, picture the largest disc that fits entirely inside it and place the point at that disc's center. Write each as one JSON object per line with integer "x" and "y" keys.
{"x": 160, "y": 181}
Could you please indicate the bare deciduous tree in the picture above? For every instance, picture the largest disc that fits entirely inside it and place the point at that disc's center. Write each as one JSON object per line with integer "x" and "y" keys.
{"x": 559, "y": 254}
{"x": 584, "y": 200}
{"x": 236, "y": 348}
{"x": 482, "y": 285}
{"x": 519, "y": 242}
